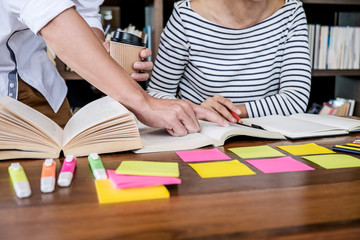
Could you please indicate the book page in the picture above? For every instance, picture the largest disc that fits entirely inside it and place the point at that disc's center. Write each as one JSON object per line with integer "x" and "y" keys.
{"x": 92, "y": 114}
{"x": 34, "y": 119}
{"x": 221, "y": 134}
{"x": 159, "y": 140}
{"x": 347, "y": 124}
{"x": 11, "y": 141}
{"x": 19, "y": 154}
{"x": 110, "y": 129}
{"x": 292, "y": 127}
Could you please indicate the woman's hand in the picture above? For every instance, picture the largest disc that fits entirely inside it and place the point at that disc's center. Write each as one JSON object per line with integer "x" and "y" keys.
{"x": 222, "y": 106}
{"x": 143, "y": 67}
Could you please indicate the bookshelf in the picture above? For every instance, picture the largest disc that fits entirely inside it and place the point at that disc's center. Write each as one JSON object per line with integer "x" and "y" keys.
{"x": 329, "y": 84}
{"x": 326, "y": 12}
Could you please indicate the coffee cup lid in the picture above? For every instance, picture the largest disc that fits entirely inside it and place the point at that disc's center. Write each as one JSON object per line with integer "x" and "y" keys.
{"x": 127, "y": 38}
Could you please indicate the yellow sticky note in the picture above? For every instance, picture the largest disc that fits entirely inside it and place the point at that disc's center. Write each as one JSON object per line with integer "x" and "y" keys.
{"x": 221, "y": 169}
{"x": 305, "y": 149}
{"x": 108, "y": 194}
{"x": 149, "y": 168}
{"x": 256, "y": 152}
{"x": 333, "y": 161}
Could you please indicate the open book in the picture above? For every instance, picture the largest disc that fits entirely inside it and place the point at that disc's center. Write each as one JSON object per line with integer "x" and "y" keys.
{"x": 304, "y": 125}
{"x": 101, "y": 126}
{"x": 159, "y": 140}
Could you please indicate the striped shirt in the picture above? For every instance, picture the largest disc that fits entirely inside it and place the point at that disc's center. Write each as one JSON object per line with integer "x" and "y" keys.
{"x": 265, "y": 66}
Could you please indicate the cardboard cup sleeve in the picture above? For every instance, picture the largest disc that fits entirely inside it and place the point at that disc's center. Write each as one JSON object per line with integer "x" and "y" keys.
{"x": 125, "y": 55}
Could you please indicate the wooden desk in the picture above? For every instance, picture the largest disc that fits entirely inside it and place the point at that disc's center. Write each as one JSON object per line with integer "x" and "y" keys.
{"x": 320, "y": 204}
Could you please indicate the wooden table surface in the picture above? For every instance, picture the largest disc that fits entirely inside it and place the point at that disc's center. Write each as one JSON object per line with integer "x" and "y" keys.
{"x": 320, "y": 204}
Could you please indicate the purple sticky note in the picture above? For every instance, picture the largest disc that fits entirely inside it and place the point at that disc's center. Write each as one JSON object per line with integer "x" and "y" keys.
{"x": 133, "y": 181}
{"x": 276, "y": 165}
{"x": 202, "y": 155}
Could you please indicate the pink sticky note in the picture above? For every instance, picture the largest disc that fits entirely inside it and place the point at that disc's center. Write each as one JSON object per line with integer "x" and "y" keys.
{"x": 276, "y": 165}
{"x": 202, "y": 155}
{"x": 133, "y": 181}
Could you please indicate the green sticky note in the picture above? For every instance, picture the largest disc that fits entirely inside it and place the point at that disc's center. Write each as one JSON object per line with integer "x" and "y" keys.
{"x": 333, "y": 161}
{"x": 148, "y": 168}
{"x": 256, "y": 152}
{"x": 305, "y": 149}
{"x": 221, "y": 169}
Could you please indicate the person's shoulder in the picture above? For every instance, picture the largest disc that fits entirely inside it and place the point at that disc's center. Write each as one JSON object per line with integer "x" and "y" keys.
{"x": 293, "y": 7}
{"x": 293, "y": 4}
{"x": 183, "y": 4}
{"x": 182, "y": 8}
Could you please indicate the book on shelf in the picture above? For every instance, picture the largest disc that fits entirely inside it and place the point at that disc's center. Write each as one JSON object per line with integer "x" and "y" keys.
{"x": 323, "y": 46}
{"x": 101, "y": 126}
{"x": 334, "y": 47}
{"x": 311, "y": 43}
{"x": 305, "y": 125}
{"x": 338, "y": 107}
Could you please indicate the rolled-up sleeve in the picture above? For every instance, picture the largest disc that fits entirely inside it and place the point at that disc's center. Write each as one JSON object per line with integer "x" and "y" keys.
{"x": 89, "y": 10}
{"x": 37, "y": 13}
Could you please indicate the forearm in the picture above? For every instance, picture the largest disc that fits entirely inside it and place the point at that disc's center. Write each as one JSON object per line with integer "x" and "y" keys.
{"x": 77, "y": 45}
{"x": 99, "y": 34}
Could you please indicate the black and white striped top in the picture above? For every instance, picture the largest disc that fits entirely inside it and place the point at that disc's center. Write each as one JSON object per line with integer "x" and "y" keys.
{"x": 265, "y": 66}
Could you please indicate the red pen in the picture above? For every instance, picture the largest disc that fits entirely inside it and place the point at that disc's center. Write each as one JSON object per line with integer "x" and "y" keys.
{"x": 235, "y": 116}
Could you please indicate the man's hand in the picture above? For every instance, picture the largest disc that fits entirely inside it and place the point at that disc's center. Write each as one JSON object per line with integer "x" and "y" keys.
{"x": 178, "y": 117}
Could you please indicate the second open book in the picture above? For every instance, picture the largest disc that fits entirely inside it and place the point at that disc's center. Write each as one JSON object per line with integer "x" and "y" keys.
{"x": 271, "y": 127}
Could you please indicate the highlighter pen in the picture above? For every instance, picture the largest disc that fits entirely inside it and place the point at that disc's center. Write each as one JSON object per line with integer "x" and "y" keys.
{"x": 235, "y": 116}
{"x": 346, "y": 149}
{"x": 67, "y": 171}
{"x": 97, "y": 166}
{"x": 48, "y": 172}
{"x": 19, "y": 180}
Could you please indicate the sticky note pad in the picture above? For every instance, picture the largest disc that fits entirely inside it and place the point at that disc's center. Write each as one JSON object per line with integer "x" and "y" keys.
{"x": 256, "y": 152}
{"x": 133, "y": 181}
{"x": 221, "y": 169}
{"x": 276, "y": 165}
{"x": 108, "y": 194}
{"x": 149, "y": 168}
{"x": 202, "y": 155}
{"x": 333, "y": 161}
{"x": 305, "y": 149}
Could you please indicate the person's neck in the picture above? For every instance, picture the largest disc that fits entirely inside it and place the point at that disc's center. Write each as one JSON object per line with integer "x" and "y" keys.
{"x": 236, "y": 14}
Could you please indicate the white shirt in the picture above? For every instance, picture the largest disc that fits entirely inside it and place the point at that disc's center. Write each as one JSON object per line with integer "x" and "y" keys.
{"x": 23, "y": 51}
